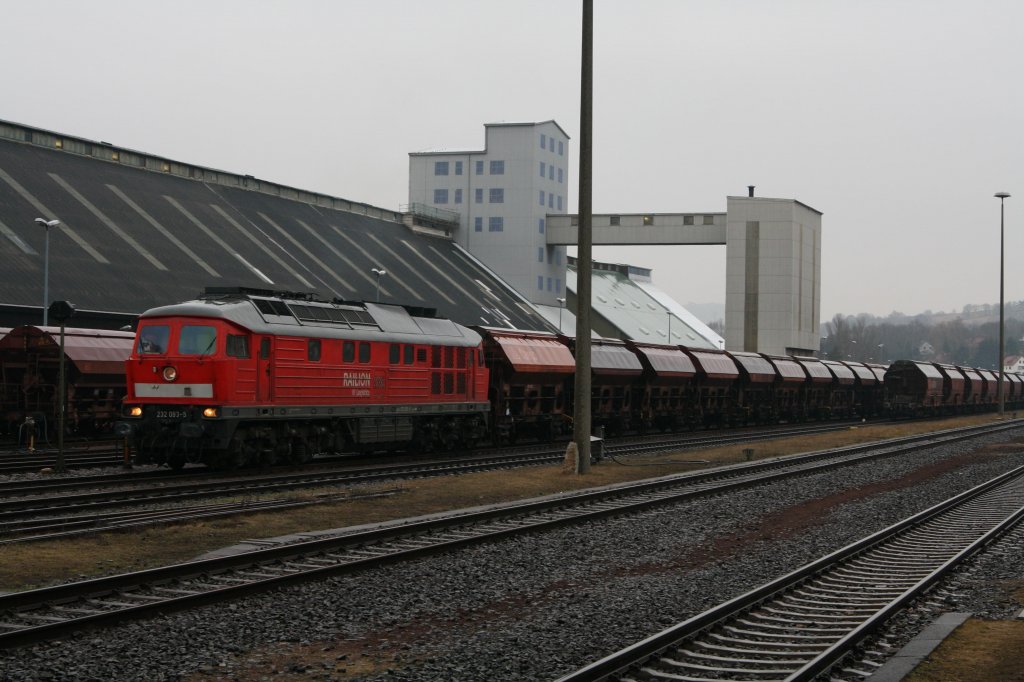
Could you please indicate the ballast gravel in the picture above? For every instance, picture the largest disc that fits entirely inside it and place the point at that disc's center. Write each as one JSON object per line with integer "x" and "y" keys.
{"x": 533, "y": 607}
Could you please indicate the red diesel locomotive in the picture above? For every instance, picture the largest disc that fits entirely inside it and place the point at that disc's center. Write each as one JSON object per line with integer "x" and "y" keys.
{"x": 243, "y": 377}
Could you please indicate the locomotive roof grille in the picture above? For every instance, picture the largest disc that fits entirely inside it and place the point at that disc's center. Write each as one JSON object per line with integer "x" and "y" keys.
{"x": 350, "y": 318}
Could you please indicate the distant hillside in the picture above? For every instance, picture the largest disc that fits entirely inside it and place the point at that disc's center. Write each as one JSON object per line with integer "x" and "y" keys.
{"x": 970, "y": 315}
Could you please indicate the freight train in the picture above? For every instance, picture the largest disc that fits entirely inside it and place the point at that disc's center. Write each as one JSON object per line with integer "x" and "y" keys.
{"x": 29, "y": 380}
{"x": 245, "y": 377}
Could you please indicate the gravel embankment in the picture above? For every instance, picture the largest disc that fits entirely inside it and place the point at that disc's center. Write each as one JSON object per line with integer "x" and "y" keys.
{"x": 536, "y": 607}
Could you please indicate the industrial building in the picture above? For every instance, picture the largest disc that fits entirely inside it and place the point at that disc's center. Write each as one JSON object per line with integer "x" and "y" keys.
{"x": 483, "y": 240}
{"x": 506, "y": 202}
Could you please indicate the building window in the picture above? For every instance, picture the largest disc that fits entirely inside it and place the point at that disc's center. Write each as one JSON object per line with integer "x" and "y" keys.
{"x": 709, "y": 220}
{"x": 613, "y": 220}
{"x": 478, "y": 224}
{"x": 551, "y": 172}
{"x": 559, "y": 203}
{"x": 497, "y": 167}
{"x": 549, "y": 284}
{"x": 542, "y": 197}
{"x": 543, "y": 141}
{"x": 497, "y": 195}
{"x": 479, "y": 167}
{"x": 540, "y": 283}
{"x": 542, "y": 164}
{"x": 551, "y": 200}
{"x": 440, "y": 168}
{"x": 540, "y": 254}
{"x": 561, "y": 175}
{"x": 687, "y": 220}
{"x": 550, "y": 254}
{"x": 458, "y": 168}
{"x": 540, "y": 225}
{"x": 479, "y": 196}
{"x": 561, "y": 148}
{"x": 558, "y": 257}
{"x": 496, "y": 224}
{"x": 551, "y": 146}
{"x": 458, "y": 196}
{"x": 440, "y": 196}
{"x": 558, "y": 285}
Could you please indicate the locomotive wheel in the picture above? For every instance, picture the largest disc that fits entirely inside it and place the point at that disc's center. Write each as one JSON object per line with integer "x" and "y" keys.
{"x": 234, "y": 456}
{"x": 176, "y": 455}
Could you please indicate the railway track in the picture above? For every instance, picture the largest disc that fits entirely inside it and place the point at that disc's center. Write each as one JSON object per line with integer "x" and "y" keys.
{"x": 803, "y": 624}
{"x": 40, "y": 510}
{"x": 51, "y": 612}
{"x": 99, "y": 454}
{"x": 109, "y": 453}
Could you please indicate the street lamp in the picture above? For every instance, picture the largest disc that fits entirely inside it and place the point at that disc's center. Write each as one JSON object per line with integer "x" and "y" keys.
{"x": 46, "y": 224}
{"x": 380, "y": 273}
{"x": 561, "y": 304}
{"x": 1002, "y": 196}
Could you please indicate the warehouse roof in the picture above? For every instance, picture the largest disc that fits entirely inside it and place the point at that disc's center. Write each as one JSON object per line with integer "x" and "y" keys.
{"x": 137, "y": 231}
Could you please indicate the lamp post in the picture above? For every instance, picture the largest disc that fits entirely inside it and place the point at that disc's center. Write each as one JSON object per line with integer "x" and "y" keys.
{"x": 46, "y": 224}
{"x": 561, "y": 304}
{"x": 380, "y": 272}
{"x": 1002, "y": 196}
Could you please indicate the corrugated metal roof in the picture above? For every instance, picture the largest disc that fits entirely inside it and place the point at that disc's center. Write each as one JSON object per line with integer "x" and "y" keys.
{"x": 789, "y": 370}
{"x": 613, "y": 358}
{"x": 863, "y": 372}
{"x": 635, "y": 313}
{"x": 760, "y": 370}
{"x": 715, "y": 366}
{"x": 529, "y": 353}
{"x": 90, "y": 351}
{"x": 667, "y": 361}
{"x": 843, "y": 374}
{"x": 817, "y": 371}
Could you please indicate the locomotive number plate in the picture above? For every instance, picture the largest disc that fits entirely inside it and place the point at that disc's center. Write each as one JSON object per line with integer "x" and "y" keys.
{"x": 171, "y": 414}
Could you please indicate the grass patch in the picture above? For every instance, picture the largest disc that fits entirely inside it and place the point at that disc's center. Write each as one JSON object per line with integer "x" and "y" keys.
{"x": 978, "y": 651}
{"x": 24, "y": 566}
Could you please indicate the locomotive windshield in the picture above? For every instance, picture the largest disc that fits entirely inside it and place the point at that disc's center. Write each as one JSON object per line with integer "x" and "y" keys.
{"x": 197, "y": 340}
{"x": 153, "y": 339}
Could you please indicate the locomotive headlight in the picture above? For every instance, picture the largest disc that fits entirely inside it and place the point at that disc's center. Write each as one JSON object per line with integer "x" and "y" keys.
{"x": 170, "y": 374}
{"x": 135, "y": 411}
{"x": 210, "y": 412}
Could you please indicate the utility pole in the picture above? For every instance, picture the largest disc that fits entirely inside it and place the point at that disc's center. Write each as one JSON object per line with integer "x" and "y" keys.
{"x": 581, "y": 416}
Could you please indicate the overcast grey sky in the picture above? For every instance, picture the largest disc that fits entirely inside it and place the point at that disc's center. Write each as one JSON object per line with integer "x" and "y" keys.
{"x": 898, "y": 119}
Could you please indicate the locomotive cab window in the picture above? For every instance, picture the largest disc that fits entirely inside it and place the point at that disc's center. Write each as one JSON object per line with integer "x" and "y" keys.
{"x": 395, "y": 354}
{"x": 348, "y": 351}
{"x": 364, "y": 351}
{"x": 197, "y": 339}
{"x": 410, "y": 354}
{"x": 314, "y": 350}
{"x": 264, "y": 348}
{"x": 237, "y": 346}
{"x": 153, "y": 340}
